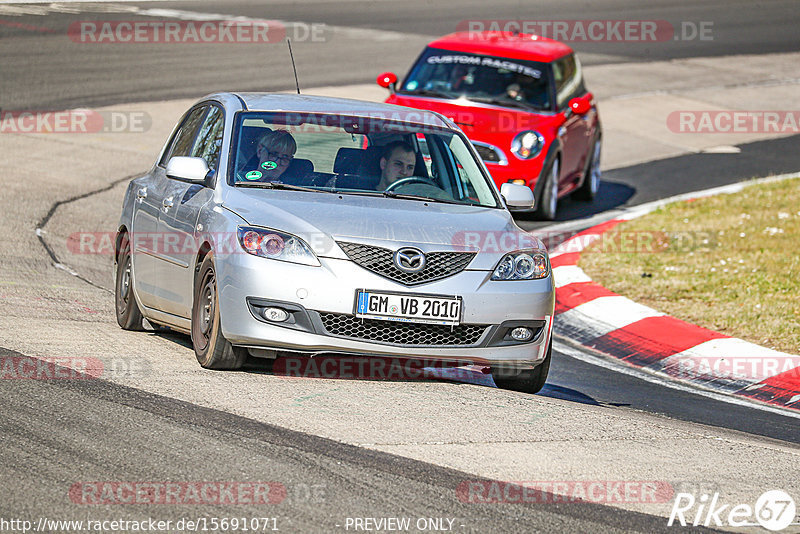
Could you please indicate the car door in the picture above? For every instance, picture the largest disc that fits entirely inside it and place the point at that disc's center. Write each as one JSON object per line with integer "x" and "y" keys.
{"x": 574, "y": 133}
{"x": 178, "y": 220}
{"x": 146, "y": 240}
{"x": 181, "y": 144}
{"x": 143, "y": 231}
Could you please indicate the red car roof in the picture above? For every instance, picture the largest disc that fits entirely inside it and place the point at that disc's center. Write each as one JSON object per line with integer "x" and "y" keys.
{"x": 504, "y": 44}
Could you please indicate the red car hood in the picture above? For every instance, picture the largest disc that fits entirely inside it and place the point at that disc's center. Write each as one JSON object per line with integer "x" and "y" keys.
{"x": 482, "y": 121}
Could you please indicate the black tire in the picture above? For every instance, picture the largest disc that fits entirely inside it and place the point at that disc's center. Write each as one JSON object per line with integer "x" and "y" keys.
{"x": 212, "y": 350}
{"x": 591, "y": 175}
{"x": 129, "y": 316}
{"x": 529, "y": 380}
{"x": 547, "y": 203}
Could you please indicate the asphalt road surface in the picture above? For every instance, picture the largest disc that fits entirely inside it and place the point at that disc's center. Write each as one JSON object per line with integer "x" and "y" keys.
{"x": 114, "y": 433}
{"x": 41, "y": 68}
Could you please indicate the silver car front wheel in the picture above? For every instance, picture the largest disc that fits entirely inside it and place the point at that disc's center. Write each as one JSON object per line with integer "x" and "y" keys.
{"x": 212, "y": 350}
{"x": 528, "y": 380}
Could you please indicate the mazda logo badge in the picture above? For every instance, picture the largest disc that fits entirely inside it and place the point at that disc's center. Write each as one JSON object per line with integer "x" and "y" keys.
{"x": 409, "y": 260}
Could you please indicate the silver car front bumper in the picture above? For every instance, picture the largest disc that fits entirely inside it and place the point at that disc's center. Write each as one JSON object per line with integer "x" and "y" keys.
{"x": 327, "y": 293}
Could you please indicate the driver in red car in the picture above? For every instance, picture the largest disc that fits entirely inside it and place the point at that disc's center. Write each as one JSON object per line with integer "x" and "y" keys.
{"x": 397, "y": 162}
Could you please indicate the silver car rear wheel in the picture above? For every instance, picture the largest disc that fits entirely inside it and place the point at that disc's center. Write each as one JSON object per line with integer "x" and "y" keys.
{"x": 128, "y": 314}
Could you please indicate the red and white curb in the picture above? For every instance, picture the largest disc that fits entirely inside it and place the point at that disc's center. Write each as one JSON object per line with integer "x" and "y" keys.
{"x": 595, "y": 317}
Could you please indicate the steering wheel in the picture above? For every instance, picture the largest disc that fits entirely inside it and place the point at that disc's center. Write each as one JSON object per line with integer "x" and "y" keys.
{"x": 411, "y": 180}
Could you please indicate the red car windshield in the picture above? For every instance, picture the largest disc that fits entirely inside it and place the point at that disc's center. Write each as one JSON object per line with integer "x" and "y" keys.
{"x": 495, "y": 80}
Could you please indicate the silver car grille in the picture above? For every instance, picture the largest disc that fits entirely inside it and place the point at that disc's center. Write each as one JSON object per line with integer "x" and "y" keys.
{"x": 380, "y": 260}
{"x": 396, "y": 333}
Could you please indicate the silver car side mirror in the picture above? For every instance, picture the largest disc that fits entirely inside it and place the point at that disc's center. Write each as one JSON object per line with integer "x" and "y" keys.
{"x": 517, "y": 195}
{"x": 187, "y": 169}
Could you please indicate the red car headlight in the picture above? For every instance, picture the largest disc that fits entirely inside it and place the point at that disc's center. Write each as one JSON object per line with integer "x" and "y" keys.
{"x": 527, "y": 144}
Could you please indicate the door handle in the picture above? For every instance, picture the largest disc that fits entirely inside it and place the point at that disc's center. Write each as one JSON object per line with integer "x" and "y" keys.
{"x": 141, "y": 194}
{"x": 167, "y": 204}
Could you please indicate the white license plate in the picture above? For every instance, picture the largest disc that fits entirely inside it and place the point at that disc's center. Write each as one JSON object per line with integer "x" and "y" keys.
{"x": 404, "y": 307}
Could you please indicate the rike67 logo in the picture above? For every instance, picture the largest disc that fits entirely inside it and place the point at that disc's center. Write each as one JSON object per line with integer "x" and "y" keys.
{"x": 774, "y": 510}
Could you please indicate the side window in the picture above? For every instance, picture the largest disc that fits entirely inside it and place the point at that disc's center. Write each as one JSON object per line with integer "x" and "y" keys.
{"x": 564, "y": 69}
{"x": 443, "y": 162}
{"x": 422, "y": 145}
{"x": 462, "y": 176}
{"x": 569, "y": 79}
{"x": 209, "y": 140}
{"x": 181, "y": 144}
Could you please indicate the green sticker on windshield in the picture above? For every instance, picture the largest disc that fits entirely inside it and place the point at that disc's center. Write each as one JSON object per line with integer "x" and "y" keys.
{"x": 268, "y": 165}
{"x": 253, "y": 175}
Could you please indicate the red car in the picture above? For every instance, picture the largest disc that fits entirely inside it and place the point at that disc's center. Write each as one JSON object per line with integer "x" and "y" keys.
{"x": 521, "y": 100}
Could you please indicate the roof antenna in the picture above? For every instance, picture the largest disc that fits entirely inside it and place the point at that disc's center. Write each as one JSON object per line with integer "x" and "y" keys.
{"x": 296, "y": 83}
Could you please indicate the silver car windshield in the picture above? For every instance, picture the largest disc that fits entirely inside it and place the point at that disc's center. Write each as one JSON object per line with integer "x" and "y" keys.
{"x": 357, "y": 155}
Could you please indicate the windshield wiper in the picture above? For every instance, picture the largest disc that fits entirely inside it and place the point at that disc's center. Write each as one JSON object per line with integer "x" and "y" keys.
{"x": 387, "y": 194}
{"x": 505, "y": 102}
{"x": 403, "y": 196}
{"x": 428, "y": 92}
{"x": 280, "y": 185}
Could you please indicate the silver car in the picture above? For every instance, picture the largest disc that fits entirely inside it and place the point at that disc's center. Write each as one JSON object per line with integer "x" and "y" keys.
{"x": 278, "y": 224}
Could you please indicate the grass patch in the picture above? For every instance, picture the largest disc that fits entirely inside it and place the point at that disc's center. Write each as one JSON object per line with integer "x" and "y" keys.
{"x": 730, "y": 263}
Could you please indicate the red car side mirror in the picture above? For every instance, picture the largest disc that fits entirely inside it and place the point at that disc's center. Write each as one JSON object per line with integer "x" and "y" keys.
{"x": 387, "y": 80}
{"x": 581, "y": 105}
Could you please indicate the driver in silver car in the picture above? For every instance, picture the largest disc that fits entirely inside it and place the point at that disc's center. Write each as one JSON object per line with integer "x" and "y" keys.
{"x": 397, "y": 162}
{"x": 274, "y": 153}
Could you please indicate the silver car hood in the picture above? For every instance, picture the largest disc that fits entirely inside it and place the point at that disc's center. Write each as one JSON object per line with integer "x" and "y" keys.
{"x": 323, "y": 218}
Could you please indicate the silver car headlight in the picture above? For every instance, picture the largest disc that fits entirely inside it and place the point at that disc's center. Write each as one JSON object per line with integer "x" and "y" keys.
{"x": 522, "y": 265}
{"x": 276, "y": 245}
{"x": 527, "y": 144}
